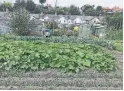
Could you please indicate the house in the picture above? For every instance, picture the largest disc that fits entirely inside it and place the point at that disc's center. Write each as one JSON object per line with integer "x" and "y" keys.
{"x": 95, "y": 20}
{"x": 78, "y": 21}
{"x": 63, "y": 20}
{"x": 107, "y": 10}
{"x": 69, "y": 21}
{"x": 41, "y": 19}
{"x": 112, "y": 10}
{"x": 32, "y": 17}
{"x": 46, "y": 18}
{"x": 117, "y": 9}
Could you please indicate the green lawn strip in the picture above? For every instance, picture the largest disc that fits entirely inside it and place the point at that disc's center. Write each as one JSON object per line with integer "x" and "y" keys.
{"x": 118, "y": 45}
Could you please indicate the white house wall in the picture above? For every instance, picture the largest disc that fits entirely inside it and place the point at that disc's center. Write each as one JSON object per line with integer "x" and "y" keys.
{"x": 62, "y": 21}
{"x": 78, "y": 21}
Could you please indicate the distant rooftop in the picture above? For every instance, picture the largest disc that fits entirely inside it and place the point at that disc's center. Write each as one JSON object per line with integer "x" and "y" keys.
{"x": 114, "y": 9}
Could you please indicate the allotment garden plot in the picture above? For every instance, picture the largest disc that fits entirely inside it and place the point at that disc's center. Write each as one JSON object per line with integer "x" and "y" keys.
{"x": 46, "y": 55}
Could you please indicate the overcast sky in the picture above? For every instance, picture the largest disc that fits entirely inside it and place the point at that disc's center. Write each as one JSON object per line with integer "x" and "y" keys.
{"x": 105, "y": 3}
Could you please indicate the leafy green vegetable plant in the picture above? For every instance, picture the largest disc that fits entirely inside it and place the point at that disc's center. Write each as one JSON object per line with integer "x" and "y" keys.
{"x": 31, "y": 55}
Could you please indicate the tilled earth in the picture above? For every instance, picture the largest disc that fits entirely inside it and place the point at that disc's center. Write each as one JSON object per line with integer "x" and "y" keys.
{"x": 54, "y": 80}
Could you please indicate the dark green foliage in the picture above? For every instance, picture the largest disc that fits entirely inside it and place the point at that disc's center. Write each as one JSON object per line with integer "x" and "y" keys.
{"x": 30, "y": 6}
{"x": 89, "y": 10}
{"x": 86, "y": 7}
{"x": 99, "y": 10}
{"x": 73, "y": 10}
{"x": 114, "y": 26}
{"x": 114, "y": 35}
{"x": 115, "y": 21}
{"x": 42, "y": 1}
{"x": 60, "y": 32}
{"x": 37, "y": 9}
{"x": 23, "y": 55}
{"x": 20, "y": 4}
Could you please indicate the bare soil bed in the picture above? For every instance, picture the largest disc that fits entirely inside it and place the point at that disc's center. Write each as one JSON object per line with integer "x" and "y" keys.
{"x": 54, "y": 80}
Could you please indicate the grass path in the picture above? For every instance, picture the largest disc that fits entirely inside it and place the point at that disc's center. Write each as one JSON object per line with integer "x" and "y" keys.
{"x": 53, "y": 80}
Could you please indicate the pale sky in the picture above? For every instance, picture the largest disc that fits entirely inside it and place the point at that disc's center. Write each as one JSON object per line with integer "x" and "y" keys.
{"x": 104, "y": 3}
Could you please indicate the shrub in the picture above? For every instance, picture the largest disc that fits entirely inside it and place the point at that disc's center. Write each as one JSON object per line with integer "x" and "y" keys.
{"x": 20, "y": 22}
{"x": 114, "y": 35}
{"x": 59, "y": 32}
{"x": 64, "y": 39}
{"x": 115, "y": 21}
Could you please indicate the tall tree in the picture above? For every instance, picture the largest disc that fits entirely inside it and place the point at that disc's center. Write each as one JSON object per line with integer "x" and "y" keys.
{"x": 37, "y": 9}
{"x": 42, "y": 1}
{"x": 90, "y": 12}
{"x": 30, "y": 5}
{"x": 88, "y": 9}
{"x": 6, "y": 5}
{"x": 66, "y": 10}
{"x": 74, "y": 10}
{"x": 20, "y": 3}
{"x": 99, "y": 10}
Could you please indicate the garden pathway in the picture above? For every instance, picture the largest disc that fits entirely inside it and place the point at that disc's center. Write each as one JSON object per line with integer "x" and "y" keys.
{"x": 54, "y": 80}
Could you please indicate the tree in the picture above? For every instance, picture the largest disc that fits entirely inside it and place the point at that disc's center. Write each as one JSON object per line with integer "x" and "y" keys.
{"x": 66, "y": 10}
{"x": 20, "y": 3}
{"x": 42, "y": 1}
{"x": 74, "y": 10}
{"x": 99, "y": 10}
{"x": 51, "y": 10}
{"x": 37, "y": 9}
{"x": 86, "y": 7}
{"x": 60, "y": 10}
{"x": 6, "y": 5}
{"x": 88, "y": 10}
{"x": 20, "y": 22}
{"x": 30, "y": 5}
